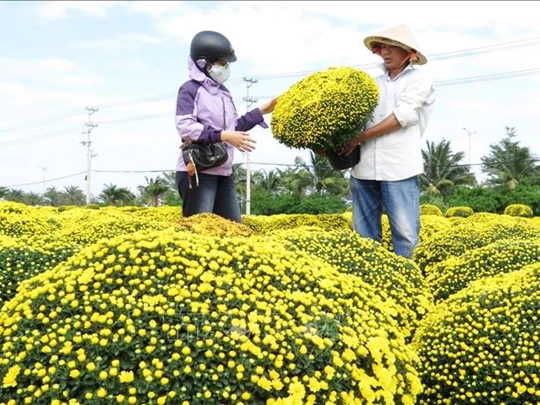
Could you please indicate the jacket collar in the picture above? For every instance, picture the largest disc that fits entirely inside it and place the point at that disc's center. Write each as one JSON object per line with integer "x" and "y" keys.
{"x": 195, "y": 73}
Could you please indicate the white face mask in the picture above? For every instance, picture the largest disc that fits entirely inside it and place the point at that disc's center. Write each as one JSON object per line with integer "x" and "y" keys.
{"x": 220, "y": 73}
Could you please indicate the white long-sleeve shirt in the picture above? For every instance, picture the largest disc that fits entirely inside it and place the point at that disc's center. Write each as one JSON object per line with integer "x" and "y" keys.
{"x": 398, "y": 155}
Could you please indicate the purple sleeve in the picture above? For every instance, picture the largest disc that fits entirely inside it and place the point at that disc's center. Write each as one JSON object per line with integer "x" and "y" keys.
{"x": 248, "y": 121}
{"x": 187, "y": 124}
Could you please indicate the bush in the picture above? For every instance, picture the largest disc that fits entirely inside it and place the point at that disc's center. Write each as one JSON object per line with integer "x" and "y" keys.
{"x": 397, "y": 280}
{"x": 84, "y": 227}
{"x": 518, "y": 210}
{"x": 167, "y": 317}
{"x": 268, "y": 203}
{"x": 214, "y": 225}
{"x": 431, "y": 199}
{"x": 325, "y": 110}
{"x": 471, "y": 234}
{"x": 321, "y": 204}
{"x": 505, "y": 256}
{"x": 64, "y": 208}
{"x": 29, "y": 223}
{"x": 269, "y": 224}
{"x": 481, "y": 345}
{"x": 480, "y": 199}
{"x": 463, "y": 212}
{"x": 428, "y": 209}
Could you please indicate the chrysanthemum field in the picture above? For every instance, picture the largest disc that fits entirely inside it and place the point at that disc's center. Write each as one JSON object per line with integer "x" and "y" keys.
{"x": 140, "y": 306}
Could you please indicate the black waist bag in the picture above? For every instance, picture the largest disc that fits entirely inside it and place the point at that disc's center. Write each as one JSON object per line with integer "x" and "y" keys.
{"x": 204, "y": 155}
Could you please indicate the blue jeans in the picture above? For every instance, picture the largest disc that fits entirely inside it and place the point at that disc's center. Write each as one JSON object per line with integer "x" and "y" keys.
{"x": 215, "y": 194}
{"x": 400, "y": 199}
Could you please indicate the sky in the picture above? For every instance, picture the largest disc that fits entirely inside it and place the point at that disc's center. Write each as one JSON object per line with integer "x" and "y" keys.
{"x": 128, "y": 59}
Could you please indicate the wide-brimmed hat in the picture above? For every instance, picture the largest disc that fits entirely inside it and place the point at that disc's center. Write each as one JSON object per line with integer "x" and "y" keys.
{"x": 398, "y": 36}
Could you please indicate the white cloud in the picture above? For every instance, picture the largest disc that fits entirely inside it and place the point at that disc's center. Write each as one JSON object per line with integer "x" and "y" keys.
{"x": 269, "y": 37}
{"x": 139, "y": 37}
{"x": 121, "y": 42}
{"x": 81, "y": 80}
{"x": 156, "y": 8}
{"x": 60, "y": 64}
{"x": 62, "y": 9}
{"x": 128, "y": 65}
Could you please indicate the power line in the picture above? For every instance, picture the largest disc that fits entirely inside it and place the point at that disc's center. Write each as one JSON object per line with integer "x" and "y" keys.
{"x": 63, "y": 115}
{"x": 441, "y": 56}
{"x": 439, "y": 83}
{"x": 254, "y": 163}
{"x": 50, "y": 134}
{"x": 47, "y": 181}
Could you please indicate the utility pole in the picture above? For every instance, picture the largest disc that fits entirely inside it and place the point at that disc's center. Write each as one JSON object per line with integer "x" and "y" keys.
{"x": 249, "y": 101}
{"x": 44, "y": 176}
{"x": 470, "y": 134}
{"x": 89, "y": 151}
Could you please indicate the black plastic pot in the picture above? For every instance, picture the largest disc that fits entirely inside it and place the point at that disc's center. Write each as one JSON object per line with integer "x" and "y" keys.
{"x": 342, "y": 162}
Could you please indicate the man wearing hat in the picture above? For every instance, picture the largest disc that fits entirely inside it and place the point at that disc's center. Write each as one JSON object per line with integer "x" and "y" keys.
{"x": 390, "y": 145}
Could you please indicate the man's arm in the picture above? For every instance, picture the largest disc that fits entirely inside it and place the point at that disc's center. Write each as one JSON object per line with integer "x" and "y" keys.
{"x": 387, "y": 125}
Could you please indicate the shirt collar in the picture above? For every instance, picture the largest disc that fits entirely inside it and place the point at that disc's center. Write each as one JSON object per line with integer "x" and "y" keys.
{"x": 410, "y": 66}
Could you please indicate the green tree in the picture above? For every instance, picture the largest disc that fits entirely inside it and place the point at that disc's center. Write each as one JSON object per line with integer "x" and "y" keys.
{"x": 154, "y": 190}
{"x": 53, "y": 197}
{"x": 269, "y": 181}
{"x": 443, "y": 170}
{"x": 116, "y": 196}
{"x": 15, "y": 195}
{"x": 3, "y": 192}
{"x": 32, "y": 198}
{"x": 324, "y": 178}
{"x": 73, "y": 195}
{"x": 509, "y": 163}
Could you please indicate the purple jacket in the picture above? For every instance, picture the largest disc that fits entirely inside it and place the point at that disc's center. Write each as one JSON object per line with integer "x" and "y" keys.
{"x": 203, "y": 109}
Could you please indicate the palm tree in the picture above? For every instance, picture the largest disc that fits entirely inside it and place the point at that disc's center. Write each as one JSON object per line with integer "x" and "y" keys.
{"x": 442, "y": 169}
{"x": 239, "y": 177}
{"x": 53, "y": 197}
{"x": 153, "y": 190}
{"x": 73, "y": 195}
{"x": 324, "y": 179}
{"x": 508, "y": 163}
{"x": 170, "y": 179}
{"x": 269, "y": 181}
{"x": 113, "y": 195}
{"x": 3, "y": 192}
{"x": 297, "y": 180}
{"x": 15, "y": 195}
{"x": 34, "y": 199}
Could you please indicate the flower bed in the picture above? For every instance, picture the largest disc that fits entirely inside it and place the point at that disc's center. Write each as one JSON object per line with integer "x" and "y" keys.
{"x": 397, "y": 280}
{"x": 262, "y": 224}
{"x": 471, "y": 234}
{"x": 325, "y": 110}
{"x": 505, "y": 256}
{"x": 519, "y": 210}
{"x": 481, "y": 345}
{"x": 168, "y": 317}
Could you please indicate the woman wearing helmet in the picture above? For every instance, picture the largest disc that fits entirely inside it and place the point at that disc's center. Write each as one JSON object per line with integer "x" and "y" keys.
{"x": 205, "y": 112}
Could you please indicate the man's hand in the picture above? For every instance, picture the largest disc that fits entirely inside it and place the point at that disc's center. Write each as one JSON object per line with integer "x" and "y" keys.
{"x": 240, "y": 140}
{"x": 269, "y": 106}
{"x": 320, "y": 152}
{"x": 349, "y": 148}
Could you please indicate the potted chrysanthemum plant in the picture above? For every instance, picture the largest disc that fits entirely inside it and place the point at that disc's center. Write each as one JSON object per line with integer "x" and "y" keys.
{"x": 324, "y": 111}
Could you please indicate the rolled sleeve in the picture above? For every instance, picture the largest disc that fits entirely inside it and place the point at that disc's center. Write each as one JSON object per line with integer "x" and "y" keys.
{"x": 418, "y": 93}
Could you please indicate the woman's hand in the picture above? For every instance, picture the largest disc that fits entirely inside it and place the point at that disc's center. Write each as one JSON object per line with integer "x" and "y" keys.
{"x": 269, "y": 106}
{"x": 240, "y": 140}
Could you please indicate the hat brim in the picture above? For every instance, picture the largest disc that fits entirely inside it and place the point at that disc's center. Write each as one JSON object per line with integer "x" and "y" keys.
{"x": 422, "y": 60}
